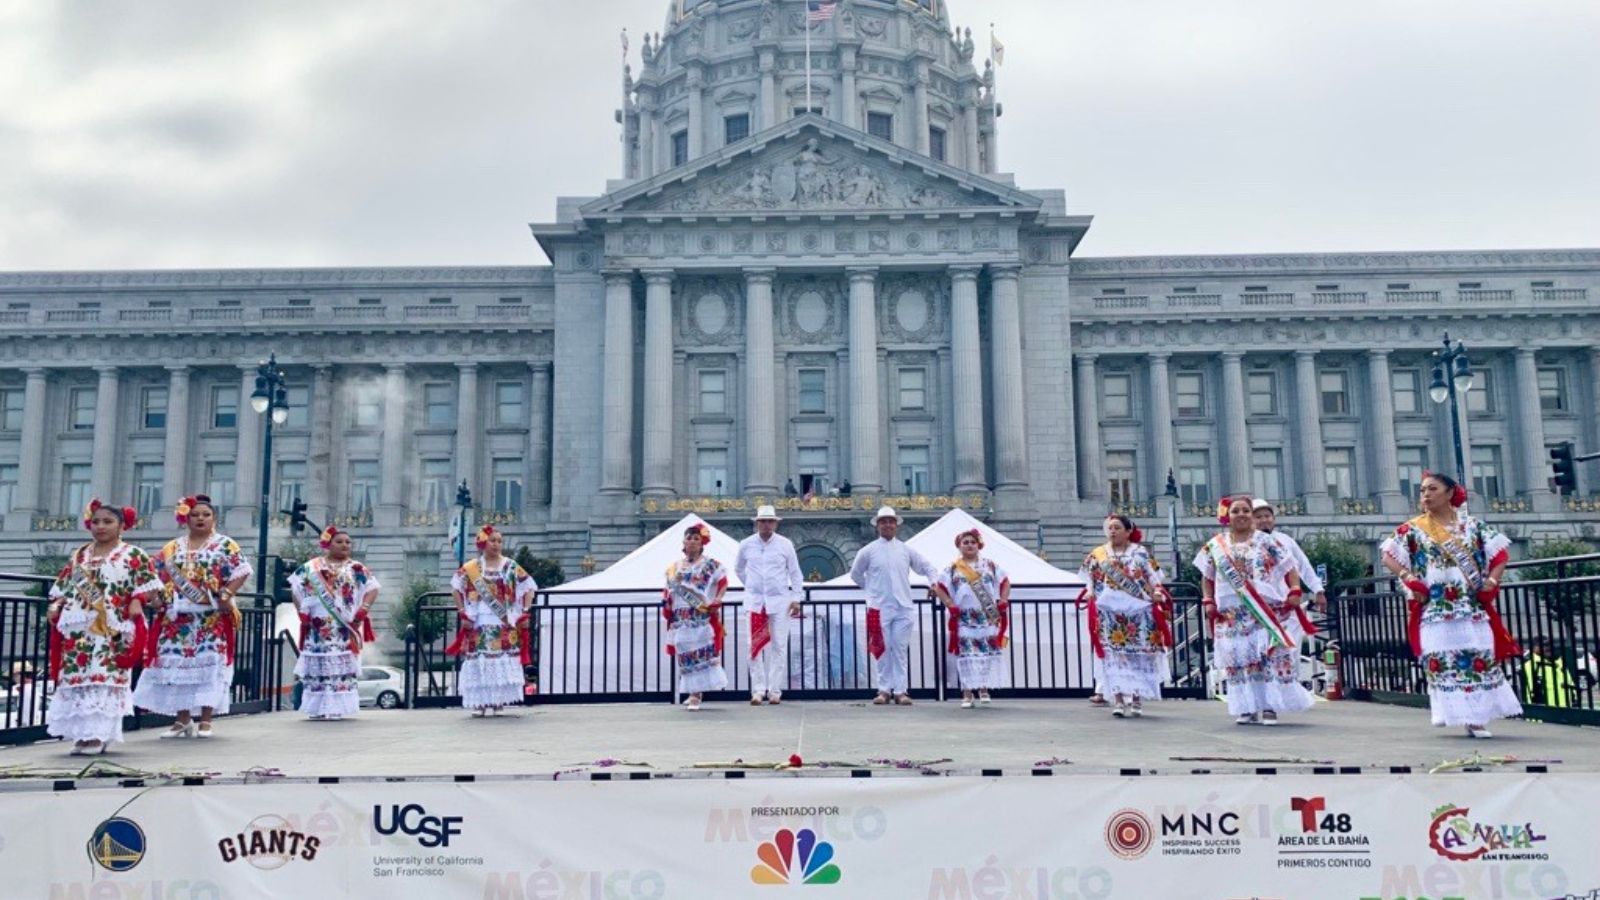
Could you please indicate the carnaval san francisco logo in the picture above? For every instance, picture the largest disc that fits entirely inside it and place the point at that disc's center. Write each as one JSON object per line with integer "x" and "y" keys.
{"x": 790, "y": 858}
{"x": 1455, "y": 836}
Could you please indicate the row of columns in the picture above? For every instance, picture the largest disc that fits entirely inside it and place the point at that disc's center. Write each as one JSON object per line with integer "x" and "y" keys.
{"x": 761, "y": 401}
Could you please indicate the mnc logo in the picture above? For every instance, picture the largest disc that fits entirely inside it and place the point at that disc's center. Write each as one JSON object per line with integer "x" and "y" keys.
{"x": 117, "y": 844}
{"x": 412, "y": 819}
{"x": 779, "y": 866}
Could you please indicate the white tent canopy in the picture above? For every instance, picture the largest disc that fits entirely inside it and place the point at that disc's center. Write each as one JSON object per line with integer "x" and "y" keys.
{"x": 631, "y": 578}
{"x": 938, "y": 543}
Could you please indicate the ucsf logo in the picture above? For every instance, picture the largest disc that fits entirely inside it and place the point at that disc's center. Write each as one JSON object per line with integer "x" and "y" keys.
{"x": 413, "y": 820}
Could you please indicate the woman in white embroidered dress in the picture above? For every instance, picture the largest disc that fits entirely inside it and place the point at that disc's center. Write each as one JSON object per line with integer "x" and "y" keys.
{"x": 1252, "y": 600}
{"x": 492, "y": 596}
{"x": 97, "y": 636}
{"x": 334, "y": 594}
{"x": 978, "y": 595}
{"x": 1129, "y": 612}
{"x": 1451, "y": 564}
{"x": 190, "y": 668}
{"x": 692, "y": 605}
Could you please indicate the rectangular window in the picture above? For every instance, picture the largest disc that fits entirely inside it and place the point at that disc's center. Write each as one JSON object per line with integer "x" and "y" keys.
{"x": 711, "y": 466}
{"x": 11, "y": 410}
{"x": 1335, "y": 390}
{"x": 366, "y": 407}
{"x": 1190, "y": 394}
{"x": 509, "y": 405}
{"x": 225, "y": 406}
{"x": 1194, "y": 476}
{"x": 1266, "y": 473}
{"x": 1339, "y": 467}
{"x": 363, "y": 496}
{"x": 1261, "y": 389}
{"x": 913, "y": 389}
{"x": 680, "y": 148}
{"x": 434, "y": 484}
{"x": 1116, "y": 396}
{"x": 80, "y": 408}
{"x": 936, "y": 140}
{"x": 9, "y": 475}
{"x": 713, "y": 392}
{"x": 147, "y": 478}
{"x": 1486, "y": 472}
{"x": 292, "y": 475}
{"x": 1406, "y": 387}
{"x": 219, "y": 482}
{"x": 1480, "y": 399}
{"x": 914, "y": 475}
{"x": 881, "y": 126}
{"x": 1413, "y": 462}
{"x": 813, "y": 391}
{"x": 153, "y": 407}
{"x": 813, "y": 470}
{"x": 75, "y": 487}
{"x": 438, "y": 405}
{"x": 299, "y": 397}
{"x": 735, "y": 128}
{"x": 1121, "y": 475}
{"x": 1553, "y": 390}
{"x": 507, "y": 478}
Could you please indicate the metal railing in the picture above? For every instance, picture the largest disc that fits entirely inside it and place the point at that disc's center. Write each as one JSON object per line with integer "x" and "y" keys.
{"x": 1368, "y": 621}
{"x": 614, "y": 652}
{"x": 25, "y": 636}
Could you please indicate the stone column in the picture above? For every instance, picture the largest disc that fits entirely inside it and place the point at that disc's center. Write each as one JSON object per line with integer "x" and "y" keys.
{"x": 1093, "y": 485}
{"x": 767, "y": 112}
{"x": 247, "y": 467}
{"x": 468, "y": 426}
{"x": 391, "y": 492}
{"x": 1005, "y": 348}
{"x": 1534, "y": 482}
{"x": 866, "y": 468}
{"x": 1592, "y": 483}
{"x": 30, "y": 471}
{"x": 697, "y": 114}
{"x": 102, "y": 477}
{"x": 919, "y": 115}
{"x": 175, "y": 462}
{"x": 1313, "y": 480}
{"x": 320, "y": 502}
{"x": 616, "y": 473}
{"x": 1161, "y": 440}
{"x": 658, "y": 400}
{"x": 966, "y": 361}
{"x": 1235, "y": 432}
{"x": 969, "y": 129}
{"x": 849, "y": 109}
{"x": 649, "y": 144}
{"x": 760, "y": 399}
{"x": 539, "y": 435}
{"x": 1385, "y": 455}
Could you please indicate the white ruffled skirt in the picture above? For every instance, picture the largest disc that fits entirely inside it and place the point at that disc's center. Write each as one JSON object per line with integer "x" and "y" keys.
{"x": 1259, "y": 677}
{"x": 89, "y": 712}
{"x": 491, "y": 680}
{"x": 1465, "y": 684}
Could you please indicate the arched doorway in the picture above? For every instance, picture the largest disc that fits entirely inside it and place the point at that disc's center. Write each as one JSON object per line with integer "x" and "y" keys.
{"x": 819, "y": 562}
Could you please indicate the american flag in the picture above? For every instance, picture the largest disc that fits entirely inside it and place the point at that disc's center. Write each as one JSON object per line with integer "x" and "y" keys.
{"x": 820, "y": 10}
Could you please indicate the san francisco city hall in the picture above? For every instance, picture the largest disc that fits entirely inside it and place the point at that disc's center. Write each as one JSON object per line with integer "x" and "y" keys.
{"x": 829, "y": 305}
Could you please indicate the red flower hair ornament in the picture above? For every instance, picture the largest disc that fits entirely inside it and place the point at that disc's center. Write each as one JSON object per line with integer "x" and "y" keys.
{"x": 1458, "y": 494}
{"x": 325, "y": 539}
{"x": 702, "y": 530}
{"x": 130, "y": 516}
{"x": 187, "y": 505}
{"x": 973, "y": 533}
{"x": 1222, "y": 510}
{"x": 484, "y": 534}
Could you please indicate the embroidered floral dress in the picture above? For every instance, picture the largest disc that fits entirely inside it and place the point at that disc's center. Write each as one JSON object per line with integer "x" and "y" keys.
{"x": 1453, "y": 633}
{"x": 694, "y": 636}
{"x": 977, "y": 628}
{"x": 1259, "y": 673}
{"x": 96, "y": 641}
{"x": 329, "y": 597}
{"x": 1128, "y": 629}
{"x": 192, "y": 666}
{"x": 492, "y": 642}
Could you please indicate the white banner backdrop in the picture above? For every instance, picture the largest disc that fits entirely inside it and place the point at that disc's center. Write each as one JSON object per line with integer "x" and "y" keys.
{"x": 1012, "y": 838}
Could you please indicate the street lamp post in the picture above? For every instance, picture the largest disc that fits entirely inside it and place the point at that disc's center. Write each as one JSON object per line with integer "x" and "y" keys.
{"x": 1452, "y": 376}
{"x": 464, "y": 504}
{"x": 271, "y": 397}
{"x": 1172, "y": 521}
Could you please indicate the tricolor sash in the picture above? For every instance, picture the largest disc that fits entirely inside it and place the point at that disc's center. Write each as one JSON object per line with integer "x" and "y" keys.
{"x": 1258, "y": 609}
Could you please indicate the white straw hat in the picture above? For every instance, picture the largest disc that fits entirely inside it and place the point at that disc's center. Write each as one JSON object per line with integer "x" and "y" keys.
{"x": 766, "y": 512}
{"x": 886, "y": 512}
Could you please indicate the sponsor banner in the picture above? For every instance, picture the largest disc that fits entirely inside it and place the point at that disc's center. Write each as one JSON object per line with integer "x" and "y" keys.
{"x": 1464, "y": 836}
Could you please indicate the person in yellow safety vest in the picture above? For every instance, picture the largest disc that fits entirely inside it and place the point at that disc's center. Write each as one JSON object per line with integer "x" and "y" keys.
{"x": 1545, "y": 681}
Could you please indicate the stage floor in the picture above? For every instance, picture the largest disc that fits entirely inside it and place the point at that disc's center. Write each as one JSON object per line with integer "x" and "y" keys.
{"x": 1065, "y": 737}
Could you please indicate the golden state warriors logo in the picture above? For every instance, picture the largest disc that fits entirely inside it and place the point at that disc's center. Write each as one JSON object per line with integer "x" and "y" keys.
{"x": 117, "y": 844}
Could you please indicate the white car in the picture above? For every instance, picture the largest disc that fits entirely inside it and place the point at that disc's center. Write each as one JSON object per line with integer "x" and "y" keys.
{"x": 381, "y": 686}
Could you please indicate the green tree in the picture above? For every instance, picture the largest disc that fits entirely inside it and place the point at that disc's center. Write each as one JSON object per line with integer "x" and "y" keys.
{"x": 1346, "y": 560}
{"x": 1554, "y": 549}
{"x": 49, "y": 560}
{"x": 431, "y": 624}
{"x": 545, "y": 570}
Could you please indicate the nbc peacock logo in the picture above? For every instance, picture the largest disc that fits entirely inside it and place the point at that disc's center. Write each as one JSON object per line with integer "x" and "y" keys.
{"x": 780, "y": 865}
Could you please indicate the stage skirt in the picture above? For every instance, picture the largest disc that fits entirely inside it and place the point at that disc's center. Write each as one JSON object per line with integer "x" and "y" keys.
{"x": 699, "y": 663}
{"x": 1259, "y": 677}
{"x": 1135, "y": 664}
{"x": 89, "y": 712}
{"x": 191, "y": 669}
{"x": 1465, "y": 684}
{"x": 978, "y": 654}
{"x": 491, "y": 675}
{"x": 327, "y": 669}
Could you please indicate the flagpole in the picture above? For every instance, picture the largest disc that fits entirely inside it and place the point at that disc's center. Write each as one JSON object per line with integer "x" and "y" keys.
{"x": 805, "y": 22}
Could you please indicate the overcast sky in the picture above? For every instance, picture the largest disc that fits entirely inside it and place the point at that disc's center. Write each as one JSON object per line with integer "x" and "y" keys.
{"x": 162, "y": 133}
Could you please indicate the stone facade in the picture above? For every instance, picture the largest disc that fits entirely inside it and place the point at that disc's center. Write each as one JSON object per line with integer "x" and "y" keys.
{"x": 808, "y": 303}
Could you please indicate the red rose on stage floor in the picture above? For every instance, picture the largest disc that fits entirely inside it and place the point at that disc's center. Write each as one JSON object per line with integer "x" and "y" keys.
{"x": 795, "y": 761}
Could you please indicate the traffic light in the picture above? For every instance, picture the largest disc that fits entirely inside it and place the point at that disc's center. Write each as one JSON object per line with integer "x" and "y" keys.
{"x": 281, "y": 570}
{"x": 1566, "y": 471}
{"x": 463, "y": 496}
{"x": 297, "y": 516}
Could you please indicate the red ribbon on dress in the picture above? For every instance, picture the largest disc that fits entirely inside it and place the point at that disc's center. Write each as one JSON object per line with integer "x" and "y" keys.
{"x": 58, "y": 647}
{"x": 717, "y": 632}
{"x": 228, "y": 631}
{"x": 133, "y": 654}
{"x": 875, "y": 643}
{"x": 1163, "y": 620}
{"x": 524, "y": 641}
{"x": 760, "y": 633}
{"x": 368, "y": 636}
{"x": 1084, "y": 596}
{"x": 1419, "y": 594}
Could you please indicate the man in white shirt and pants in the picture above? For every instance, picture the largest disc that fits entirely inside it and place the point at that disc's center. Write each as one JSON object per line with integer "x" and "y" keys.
{"x": 883, "y": 570}
{"x": 770, "y": 573}
{"x": 1266, "y": 519}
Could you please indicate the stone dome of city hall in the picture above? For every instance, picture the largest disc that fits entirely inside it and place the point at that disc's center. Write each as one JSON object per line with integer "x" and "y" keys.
{"x": 811, "y": 282}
